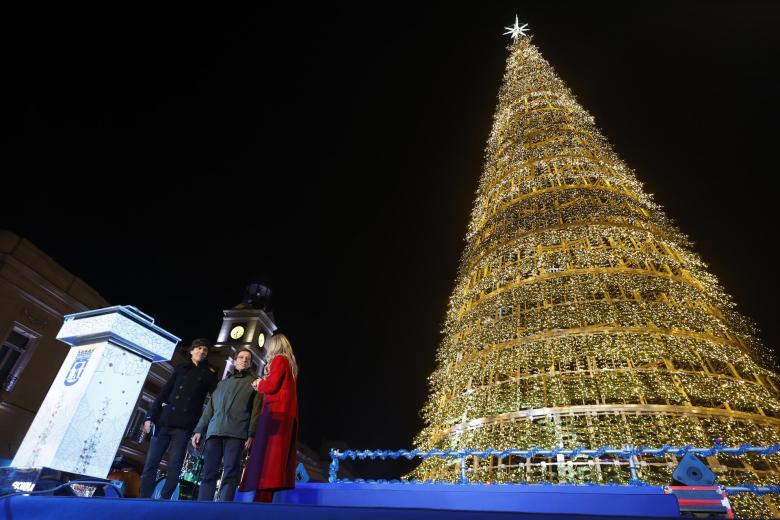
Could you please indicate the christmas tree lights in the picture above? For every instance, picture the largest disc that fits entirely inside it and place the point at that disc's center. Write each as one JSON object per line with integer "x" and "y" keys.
{"x": 581, "y": 316}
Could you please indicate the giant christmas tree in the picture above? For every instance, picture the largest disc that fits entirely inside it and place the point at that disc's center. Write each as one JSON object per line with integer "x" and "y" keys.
{"x": 581, "y": 316}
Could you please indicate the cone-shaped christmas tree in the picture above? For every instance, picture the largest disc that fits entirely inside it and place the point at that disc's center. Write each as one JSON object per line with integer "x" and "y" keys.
{"x": 581, "y": 316}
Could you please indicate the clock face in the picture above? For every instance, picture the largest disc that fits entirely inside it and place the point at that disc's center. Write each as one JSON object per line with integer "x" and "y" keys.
{"x": 237, "y": 332}
{"x": 260, "y": 340}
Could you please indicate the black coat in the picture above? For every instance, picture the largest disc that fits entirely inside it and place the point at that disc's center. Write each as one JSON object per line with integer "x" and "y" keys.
{"x": 180, "y": 402}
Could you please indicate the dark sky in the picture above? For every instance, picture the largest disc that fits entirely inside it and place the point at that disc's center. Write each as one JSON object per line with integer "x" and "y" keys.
{"x": 168, "y": 157}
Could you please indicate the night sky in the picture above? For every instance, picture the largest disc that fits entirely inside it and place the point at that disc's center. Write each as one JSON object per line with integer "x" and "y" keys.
{"x": 170, "y": 157}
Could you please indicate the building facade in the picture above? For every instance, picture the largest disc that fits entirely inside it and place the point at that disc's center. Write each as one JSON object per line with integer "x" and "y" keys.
{"x": 35, "y": 294}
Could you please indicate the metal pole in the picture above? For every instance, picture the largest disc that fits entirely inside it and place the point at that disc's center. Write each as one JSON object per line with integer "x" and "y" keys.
{"x": 631, "y": 464}
{"x": 463, "y": 478}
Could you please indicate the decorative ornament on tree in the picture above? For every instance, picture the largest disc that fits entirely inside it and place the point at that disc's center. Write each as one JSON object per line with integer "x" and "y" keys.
{"x": 516, "y": 30}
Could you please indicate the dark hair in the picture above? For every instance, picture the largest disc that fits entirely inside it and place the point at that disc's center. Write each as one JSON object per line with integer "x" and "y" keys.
{"x": 200, "y": 342}
{"x": 251, "y": 354}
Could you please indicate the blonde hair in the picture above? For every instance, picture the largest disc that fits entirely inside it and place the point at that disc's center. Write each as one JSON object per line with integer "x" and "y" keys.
{"x": 279, "y": 345}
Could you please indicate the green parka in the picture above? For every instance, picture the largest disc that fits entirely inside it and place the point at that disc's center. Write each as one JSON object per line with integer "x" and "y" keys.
{"x": 233, "y": 409}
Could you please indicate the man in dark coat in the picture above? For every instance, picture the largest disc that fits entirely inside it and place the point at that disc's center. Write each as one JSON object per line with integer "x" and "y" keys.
{"x": 228, "y": 425}
{"x": 174, "y": 414}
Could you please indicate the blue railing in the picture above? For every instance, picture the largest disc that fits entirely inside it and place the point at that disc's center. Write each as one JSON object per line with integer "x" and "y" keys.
{"x": 628, "y": 453}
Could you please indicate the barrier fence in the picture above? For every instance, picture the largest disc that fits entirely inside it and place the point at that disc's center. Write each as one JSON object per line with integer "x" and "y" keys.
{"x": 629, "y": 454}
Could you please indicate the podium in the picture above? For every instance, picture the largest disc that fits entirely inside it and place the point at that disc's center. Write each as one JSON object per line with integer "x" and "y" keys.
{"x": 80, "y": 423}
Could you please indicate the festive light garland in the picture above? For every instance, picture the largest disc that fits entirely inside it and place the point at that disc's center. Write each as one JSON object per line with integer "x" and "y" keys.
{"x": 581, "y": 314}
{"x": 533, "y": 453}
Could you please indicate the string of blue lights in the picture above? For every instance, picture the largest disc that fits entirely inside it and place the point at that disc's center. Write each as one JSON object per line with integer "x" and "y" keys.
{"x": 628, "y": 453}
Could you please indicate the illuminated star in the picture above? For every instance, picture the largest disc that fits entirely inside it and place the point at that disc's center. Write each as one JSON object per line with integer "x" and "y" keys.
{"x": 517, "y": 30}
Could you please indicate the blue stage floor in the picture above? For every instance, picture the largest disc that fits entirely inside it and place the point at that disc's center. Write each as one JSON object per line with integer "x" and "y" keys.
{"x": 547, "y": 499}
{"x": 374, "y": 501}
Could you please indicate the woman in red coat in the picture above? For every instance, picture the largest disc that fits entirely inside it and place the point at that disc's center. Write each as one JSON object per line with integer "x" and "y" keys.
{"x": 272, "y": 460}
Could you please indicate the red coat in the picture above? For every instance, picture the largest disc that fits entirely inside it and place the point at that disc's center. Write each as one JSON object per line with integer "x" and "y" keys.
{"x": 272, "y": 459}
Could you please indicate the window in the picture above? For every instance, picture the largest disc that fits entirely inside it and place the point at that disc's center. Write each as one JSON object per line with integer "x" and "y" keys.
{"x": 15, "y": 352}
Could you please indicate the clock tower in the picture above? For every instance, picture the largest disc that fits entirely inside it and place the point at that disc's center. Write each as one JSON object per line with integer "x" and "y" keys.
{"x": 247, "y": 326}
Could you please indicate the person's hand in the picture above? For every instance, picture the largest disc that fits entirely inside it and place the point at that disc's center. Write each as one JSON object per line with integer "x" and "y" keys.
{"x": 248, "y": 443}
{"x": 195, "y": 440}
{"x": 147, "y": 427}
{"x": 255, "y": 383}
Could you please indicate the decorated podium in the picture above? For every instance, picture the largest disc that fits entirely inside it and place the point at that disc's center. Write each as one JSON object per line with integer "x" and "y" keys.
{"x": 80, "y": 423}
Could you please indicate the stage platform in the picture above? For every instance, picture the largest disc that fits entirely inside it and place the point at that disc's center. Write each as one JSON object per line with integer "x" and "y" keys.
{"x": 374, "y": 501}
{"x": 618, "y": 501}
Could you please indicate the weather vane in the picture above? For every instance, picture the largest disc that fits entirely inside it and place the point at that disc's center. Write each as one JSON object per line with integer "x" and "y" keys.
{"x": 517, "y": 30}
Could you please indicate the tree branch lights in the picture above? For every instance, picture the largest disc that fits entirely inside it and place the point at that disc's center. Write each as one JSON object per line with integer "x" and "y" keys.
{"x": 581, "y": 316}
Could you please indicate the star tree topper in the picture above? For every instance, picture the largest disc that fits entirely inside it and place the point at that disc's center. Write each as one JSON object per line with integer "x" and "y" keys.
{"x": 517, "y": 30}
